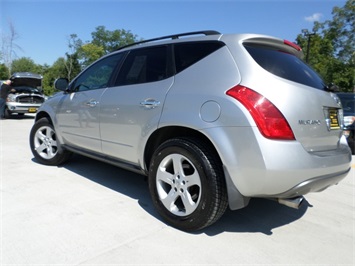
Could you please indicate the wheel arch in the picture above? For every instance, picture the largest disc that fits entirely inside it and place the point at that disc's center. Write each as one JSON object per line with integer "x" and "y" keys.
{"x": 41, "y": 115}
{"x": 165, "y": 133}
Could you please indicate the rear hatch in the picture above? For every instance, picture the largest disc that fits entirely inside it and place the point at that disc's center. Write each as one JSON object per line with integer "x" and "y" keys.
{"x": 313, "y": 113}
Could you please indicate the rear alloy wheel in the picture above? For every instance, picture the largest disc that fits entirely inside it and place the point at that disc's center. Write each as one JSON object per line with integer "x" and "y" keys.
{"x": 187, "y": 185}
{"x": 44, "y": 145}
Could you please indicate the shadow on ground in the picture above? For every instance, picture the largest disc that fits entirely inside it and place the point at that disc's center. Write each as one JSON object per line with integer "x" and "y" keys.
{"x": 20, "y": 117}
{"x": 260, "y": 216}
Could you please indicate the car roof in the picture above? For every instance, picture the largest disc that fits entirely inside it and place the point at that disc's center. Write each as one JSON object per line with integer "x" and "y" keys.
{"x": 211, "y": 35}
{"x": 173, "y": 37}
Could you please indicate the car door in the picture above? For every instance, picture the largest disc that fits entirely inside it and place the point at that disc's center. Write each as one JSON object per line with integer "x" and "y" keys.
{"x": 78, "y": 115}
{"x": 132, "y": 108}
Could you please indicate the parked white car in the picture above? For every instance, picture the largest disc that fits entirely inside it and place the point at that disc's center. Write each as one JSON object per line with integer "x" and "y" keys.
{"x": 28, "y": 96}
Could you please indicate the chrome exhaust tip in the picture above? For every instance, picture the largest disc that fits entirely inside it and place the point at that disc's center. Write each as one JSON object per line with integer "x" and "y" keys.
{"x": 294, "y": 203}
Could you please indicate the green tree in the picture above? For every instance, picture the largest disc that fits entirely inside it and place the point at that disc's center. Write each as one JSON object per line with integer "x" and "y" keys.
{"x": 25, "y": 64}
{"x": 80, "y": 54}
{"x": 72, "y": 65}
{"x": 89, "y": 53}
{"x": 57, "y": 70}
{"x": 332, "y": 45}
{"x": 4, "y": 72}
{"x": 111, "y": 40}
{"x": 341, "y": 30}
{"x": 71, "y": 62}
{"x": 103, "y": 42}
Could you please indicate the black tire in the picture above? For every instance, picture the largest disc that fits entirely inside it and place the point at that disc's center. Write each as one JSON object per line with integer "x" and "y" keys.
{"x": 44, "y": 145}
{"x": 193, "y": 195}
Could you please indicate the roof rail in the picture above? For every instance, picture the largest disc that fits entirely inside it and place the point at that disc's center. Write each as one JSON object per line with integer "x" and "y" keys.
{"x": 174, "y": 36}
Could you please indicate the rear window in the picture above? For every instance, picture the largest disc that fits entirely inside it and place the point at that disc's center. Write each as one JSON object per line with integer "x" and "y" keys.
{"x": 286, "y": 66}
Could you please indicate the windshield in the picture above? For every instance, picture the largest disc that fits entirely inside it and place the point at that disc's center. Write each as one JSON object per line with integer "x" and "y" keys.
{"x": 285, "y": 65}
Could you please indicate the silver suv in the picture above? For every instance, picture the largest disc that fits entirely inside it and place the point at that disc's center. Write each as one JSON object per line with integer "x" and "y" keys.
{"x": 28, "y": 95}
{"x": 212, "y": 119}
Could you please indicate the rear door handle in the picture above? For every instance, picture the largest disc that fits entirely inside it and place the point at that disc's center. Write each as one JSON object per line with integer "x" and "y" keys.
{"x": 150, "y": 103}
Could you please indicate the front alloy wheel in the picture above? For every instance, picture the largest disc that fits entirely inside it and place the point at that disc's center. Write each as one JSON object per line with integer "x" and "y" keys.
{"x": 45, "y": 142}
{"x": 44, "y": 145}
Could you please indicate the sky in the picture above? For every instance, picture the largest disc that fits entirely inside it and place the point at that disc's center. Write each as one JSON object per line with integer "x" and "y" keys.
{"x": 43, "y": 27}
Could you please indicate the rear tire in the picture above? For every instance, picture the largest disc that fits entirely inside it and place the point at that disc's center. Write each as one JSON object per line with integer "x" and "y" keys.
{"x": 44, "y": 145}
{"x": 187, "y": 184}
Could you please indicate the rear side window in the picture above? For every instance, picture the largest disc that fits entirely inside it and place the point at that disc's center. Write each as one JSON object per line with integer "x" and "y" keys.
{"x": 144, "y": 65}
{"x": 187, "y": 54}
{"x": 286, "y": 66}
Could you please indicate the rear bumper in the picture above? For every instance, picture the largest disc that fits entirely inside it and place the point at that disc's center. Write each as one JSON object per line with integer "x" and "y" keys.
{"x": 258, "y": 167}
{"x": 316, "y": 184}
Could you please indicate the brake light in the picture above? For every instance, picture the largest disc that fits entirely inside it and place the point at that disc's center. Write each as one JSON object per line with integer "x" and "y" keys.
{"x": 271, "y": 123}
{"x": 293, "y": 45}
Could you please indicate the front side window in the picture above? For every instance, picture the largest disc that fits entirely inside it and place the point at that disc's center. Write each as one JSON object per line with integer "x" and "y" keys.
{"x": 144, "y": 65}
{"x": 98, "y": 75}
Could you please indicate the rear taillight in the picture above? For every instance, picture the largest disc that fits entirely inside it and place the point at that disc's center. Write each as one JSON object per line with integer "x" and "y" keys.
{"x": 271, "y": 123}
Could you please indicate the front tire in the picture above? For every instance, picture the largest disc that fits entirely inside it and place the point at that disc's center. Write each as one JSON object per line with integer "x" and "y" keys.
{"x": 187, "y": 184}
{"x": 44, "y": 145}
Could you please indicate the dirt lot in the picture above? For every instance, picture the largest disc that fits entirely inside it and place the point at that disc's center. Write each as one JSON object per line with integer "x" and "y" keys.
{"x": 88, "y": 212}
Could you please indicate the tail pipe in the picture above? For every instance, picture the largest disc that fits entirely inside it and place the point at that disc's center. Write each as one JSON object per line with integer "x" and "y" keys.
{"x": 292, "y": 202}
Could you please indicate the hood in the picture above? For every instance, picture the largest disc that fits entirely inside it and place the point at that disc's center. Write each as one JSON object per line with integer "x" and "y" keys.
{"x": 26, "y": 79}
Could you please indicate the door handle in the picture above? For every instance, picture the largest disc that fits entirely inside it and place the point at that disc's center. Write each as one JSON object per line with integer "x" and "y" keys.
{"x": 150, "y": 103}
{"x": 92, "y": 103}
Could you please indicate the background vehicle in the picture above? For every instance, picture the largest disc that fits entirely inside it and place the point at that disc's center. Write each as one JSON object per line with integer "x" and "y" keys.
{"x": 348, "y": 103}
{"x": 213, "y": 120}
{"x": 28, "y": 96}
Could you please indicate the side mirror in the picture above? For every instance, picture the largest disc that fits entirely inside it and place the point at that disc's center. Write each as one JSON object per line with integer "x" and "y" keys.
{"x": 333, "y": 88}
{"x": 61, "y": 84}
